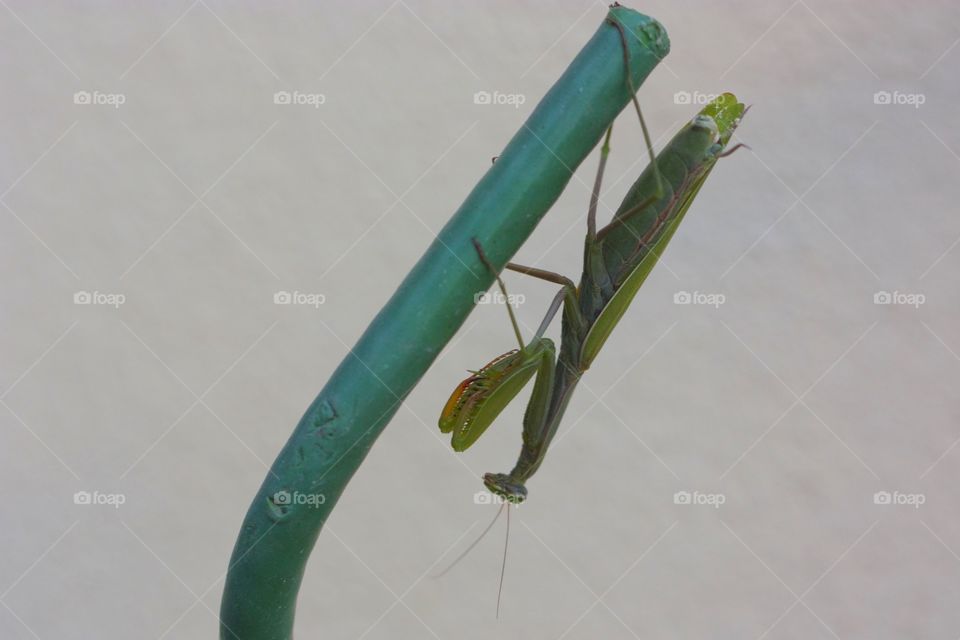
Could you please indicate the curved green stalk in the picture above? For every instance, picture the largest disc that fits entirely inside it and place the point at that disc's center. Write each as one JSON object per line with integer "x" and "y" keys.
{"x": 341, "y": 425}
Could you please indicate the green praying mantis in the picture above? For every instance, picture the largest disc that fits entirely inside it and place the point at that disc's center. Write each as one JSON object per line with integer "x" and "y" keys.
{"x": 617, "y": 260}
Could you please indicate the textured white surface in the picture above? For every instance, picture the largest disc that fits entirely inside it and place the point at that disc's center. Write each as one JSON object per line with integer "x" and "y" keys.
{"x": 199, "y": 198}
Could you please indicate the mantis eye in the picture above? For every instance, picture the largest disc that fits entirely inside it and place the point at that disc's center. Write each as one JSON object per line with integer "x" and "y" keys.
{"x": 705, "y": 124}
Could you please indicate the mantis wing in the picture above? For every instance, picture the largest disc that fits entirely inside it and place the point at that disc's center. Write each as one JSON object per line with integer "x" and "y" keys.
{"x": 724, "y": 113}
{"x": 624, "y": 295}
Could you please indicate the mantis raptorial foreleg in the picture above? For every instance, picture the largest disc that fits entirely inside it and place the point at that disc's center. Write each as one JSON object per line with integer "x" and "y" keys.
{"x": 479, "y": 399}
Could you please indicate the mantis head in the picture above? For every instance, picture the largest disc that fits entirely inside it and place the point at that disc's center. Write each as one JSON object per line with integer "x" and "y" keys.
{"x": 506, "y": 487}
{"x": 712, "y": 128}
{"x": 725, "y": 112}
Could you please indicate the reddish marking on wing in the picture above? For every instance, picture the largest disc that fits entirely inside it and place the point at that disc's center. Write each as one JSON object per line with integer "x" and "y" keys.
{"x": 470, "y": 390}
{"x": 455, "y": 397}
{"x": 496, "y": 360}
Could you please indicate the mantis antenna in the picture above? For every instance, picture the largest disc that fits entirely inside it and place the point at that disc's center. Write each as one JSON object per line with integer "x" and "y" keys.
{"x": 472, "y": 544}
{"x": 503, "y": 567}
{"x": 465, "y": 552}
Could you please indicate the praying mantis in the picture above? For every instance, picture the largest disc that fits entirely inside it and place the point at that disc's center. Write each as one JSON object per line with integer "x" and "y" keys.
{"x": 617, "y": 260}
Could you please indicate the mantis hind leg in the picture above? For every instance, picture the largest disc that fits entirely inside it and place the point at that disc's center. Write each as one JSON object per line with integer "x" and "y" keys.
{"x": 636, "y": 103}
{"x": 658, "y": 179}
{"x": 597, "y": 182}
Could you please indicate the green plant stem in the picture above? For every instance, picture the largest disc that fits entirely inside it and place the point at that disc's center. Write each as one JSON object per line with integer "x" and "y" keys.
{"x": 341, "y": 425}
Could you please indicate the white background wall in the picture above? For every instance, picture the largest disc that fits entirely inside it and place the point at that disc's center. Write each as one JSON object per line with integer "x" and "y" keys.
{"x": 199, "y": 198}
